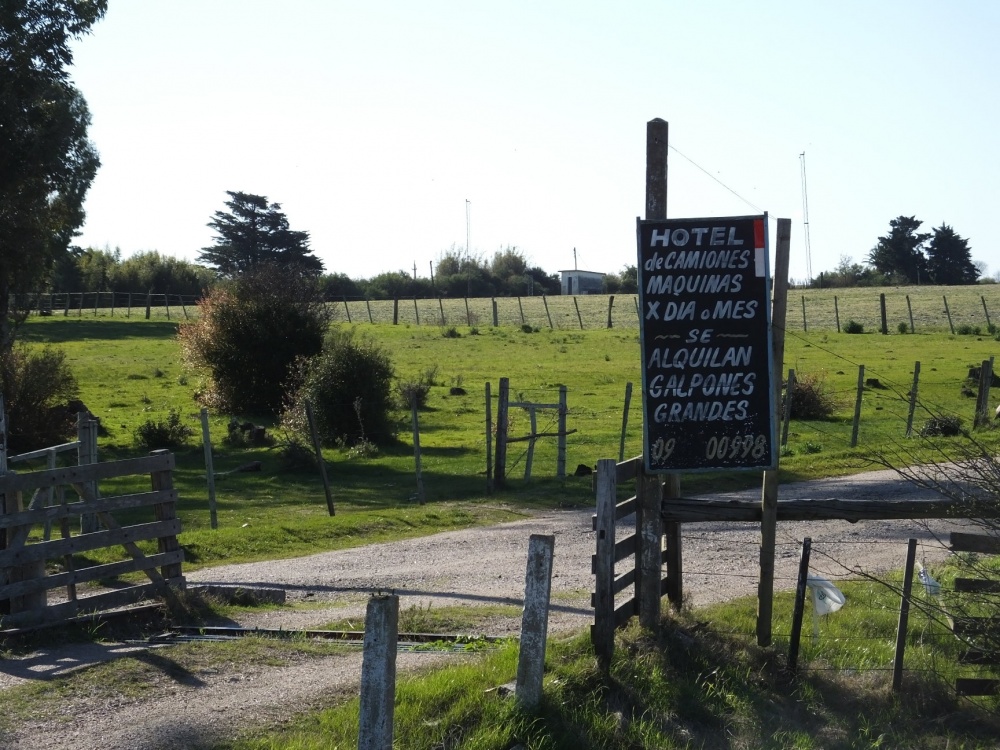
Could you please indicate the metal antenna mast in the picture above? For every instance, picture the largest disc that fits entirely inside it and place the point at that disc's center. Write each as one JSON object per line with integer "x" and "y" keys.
{"x": 468, "y": 232}
{"x": 805, "y": 216}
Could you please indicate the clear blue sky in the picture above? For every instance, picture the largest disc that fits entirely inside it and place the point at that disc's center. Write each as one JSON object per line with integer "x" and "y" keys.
{"x": 373, "y": 123}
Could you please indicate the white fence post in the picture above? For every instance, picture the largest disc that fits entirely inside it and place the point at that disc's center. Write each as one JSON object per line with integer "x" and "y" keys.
{"x": 535, "y": 620}
{"x": 378, "y": 673}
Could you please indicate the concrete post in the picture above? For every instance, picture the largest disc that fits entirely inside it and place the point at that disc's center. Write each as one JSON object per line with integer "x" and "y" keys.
{"x": 378, "y": 673}
{"x": 534, "y": 620}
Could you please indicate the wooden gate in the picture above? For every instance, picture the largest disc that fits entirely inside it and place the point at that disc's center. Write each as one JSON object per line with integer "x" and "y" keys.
{"x": 33, "y": 563}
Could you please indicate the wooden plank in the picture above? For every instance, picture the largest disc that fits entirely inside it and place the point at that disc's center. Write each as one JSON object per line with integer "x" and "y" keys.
{"x": 620, "y": 584}
{"x": 89, "y": 472}
{"x": 685, "y": 510}
{"x": 974, "y": 686}
{"x": 86, "y": 542}
{"x": 625, "y": 547}
{"x": 977, "y": 585}
{"x": 55, "y": 513}
{"x": 623, "y": 509}
{"x": 982, "y": 626}
{"x": 603, "y": 632}
{"x": 987, "y": 545}
{"x": 96, "y": 603}
{"x": 628, "y": 470}
{"x": 625, "y": 612}
{"x": 93, "y": 573}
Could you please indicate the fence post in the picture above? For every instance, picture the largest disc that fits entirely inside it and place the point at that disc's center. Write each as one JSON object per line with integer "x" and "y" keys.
{"x": 578, "y": 316}
{"x": 983, "y": 397}
{"x": 500, "y": 469}
{"x": 167, "y": 511}
{"x": 989, "y": 325}
{"x": 113, "y": 305}
{"x": 836, "y": 312}
{"x": 885, "y": 322}
{"x": 904, "y": 616}
{"x": 603, "y": 633}
{"x": 611, "y": 303}
{"x": 416, "y": 448}
{"x": 787, "y": 416}
{"x": 368, "y": 306}
{"x": 86, "y": 430}
{"x": 947, "y": 312}
{"x": 317, "y": 446}
{"x": 416, "y": 310}
{"x": 534, "y": 621}
{"x": 378, "y": 673}
{"x": 561, "y": 440}
{"x": 909, "y": 310}
{"x": 520, "y": 309}
{"x": 496, "y": 320}
{"x": 206, "y": 439}
{"x": 395, "y": 311}
{"x": 468, "y": 315}
{"x": 857, "y": 406}
{"x": 149, "y": 303}
{"x": 649, "y": 557}
{"x": 805, "y": 325}
{"x": 913, "y": 399}
{"x": 798, "y": 611}
{"x": 128, "y": 310}
{"x": 628, "y": 401}
{"x": 547, "y": 315}
{"x": 79, "y": 310}
{"x": 530, "y": 456}
{"x": 441, "y": 309}
{"x": 673, "y": 552}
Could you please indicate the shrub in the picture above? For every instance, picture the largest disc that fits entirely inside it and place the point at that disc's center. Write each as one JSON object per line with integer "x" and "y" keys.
{"x": 451, "y": 333}
{"x": 173, "y": 433}
{"x": 349, "y": 385}
{"x": 249, "y": 335}
{"x": 810, "y": 399}
{"x": 37, "y": 386}
{"x": 967, "y": 329}
{"x": 945, "y": 426}
{"x": 903, "y": 327}
{"x": 854, "y": 326}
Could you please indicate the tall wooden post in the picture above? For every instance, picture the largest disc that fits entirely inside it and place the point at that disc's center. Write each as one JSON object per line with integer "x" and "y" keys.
{"x": 603, "y": 632}
{"x": 534, "y": 620}
{"x": 857, "y": 406}
{"x": 913, "y": 399}
{"x": 561, "y": 440}
{"x": 769, "y": 492}
{"x": 489, "y": 441}
{"x": 164, "y": 480}
{"x": 206, "y": 439}
{"x": 86, "y": 429}
{"x": 500, "y": 468}
{"x": 649, "y": 558}
{"x": 378, "y": 673}
{"x": 904, "y": 616}
{"x": 628, "y": 402}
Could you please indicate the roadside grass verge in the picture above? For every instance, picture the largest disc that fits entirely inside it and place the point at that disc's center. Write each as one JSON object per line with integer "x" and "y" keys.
{"x": 701, "y": 683}
{"x": 129, "y": 372}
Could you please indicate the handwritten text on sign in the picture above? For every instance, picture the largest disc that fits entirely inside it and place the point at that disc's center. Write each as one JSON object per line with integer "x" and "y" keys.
{"x": 704, "y": 294}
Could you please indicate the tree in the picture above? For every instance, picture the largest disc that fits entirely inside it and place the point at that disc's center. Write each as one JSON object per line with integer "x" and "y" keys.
{"x": 900, "y": 254}
{"x": 254, "y": 232}
{"x": 46, "y": 161}
{"x": 949, "y": 259}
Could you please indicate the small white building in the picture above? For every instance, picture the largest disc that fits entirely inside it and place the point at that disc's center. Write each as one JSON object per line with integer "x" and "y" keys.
{"x": 581, "y": 282}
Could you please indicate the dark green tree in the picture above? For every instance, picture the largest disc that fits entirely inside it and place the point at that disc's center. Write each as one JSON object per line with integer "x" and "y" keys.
{"x": 949, "y": 258}
{"x": 253, "y": 232}
{"x": 899, "y": 254}
{"x": 46, "y": 161}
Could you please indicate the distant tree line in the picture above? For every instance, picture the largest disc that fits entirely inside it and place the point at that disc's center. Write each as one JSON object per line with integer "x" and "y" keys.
{"x": 907, "y": 256}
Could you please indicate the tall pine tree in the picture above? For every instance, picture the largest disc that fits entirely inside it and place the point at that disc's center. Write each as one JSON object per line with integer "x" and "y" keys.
{"x": 900, "y": 254}
{"x": 949, "y": 258}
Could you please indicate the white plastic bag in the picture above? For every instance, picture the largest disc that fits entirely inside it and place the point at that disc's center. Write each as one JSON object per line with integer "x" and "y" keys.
{"x": 826, "y": 597}
{"x": 931, "y": 587}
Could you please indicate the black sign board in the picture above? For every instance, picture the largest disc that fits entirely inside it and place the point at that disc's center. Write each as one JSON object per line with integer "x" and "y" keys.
{"x": 705, "y": 330}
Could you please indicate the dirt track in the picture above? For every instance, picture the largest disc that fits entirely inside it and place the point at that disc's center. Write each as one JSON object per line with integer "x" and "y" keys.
{"x": 472, "y": 567}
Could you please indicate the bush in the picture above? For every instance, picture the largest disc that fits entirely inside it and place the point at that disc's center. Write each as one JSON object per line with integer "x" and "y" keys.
{"x": 810, "y": 399}
{"x": 903, "y": 328}
{"x": 173, "y": 433}
{"x": 349, "y": 385}
{"x": 249, "y": 335}
{"x": 966, "y": 329}
{"x": 854, "y": 326}
{"x": 37, "y": 386}
{"x": 943, "y": 426}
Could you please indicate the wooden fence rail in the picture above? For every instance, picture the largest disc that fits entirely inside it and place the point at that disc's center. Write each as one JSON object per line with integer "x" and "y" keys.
{"x": 25, "y": 557}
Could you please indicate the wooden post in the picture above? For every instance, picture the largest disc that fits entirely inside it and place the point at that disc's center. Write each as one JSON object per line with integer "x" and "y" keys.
{"x": 649, "y": 556}
{"x": 578, "y": 316}
{"x": 113, "y": 304}
{"x": 983, "y": 397}
{"x": 561, "y": 440}
{"x": 441, "y": 308}
{"x": 909, "y": 309}
{"x": 534, "y": 621}
{"x": 628, "y": 402}
{"x": 97, "y": 299}
{"x": 836, "y": 312}
{"x": 66, "y": 308}
{"x": 86, "y": 430}
{"x": 611, "y": 304}
{"x": 416, "y": 449}
{"x": 496, "y": 320}
{"x": 913, "y": 399}
{"x": 416, "y": 311}
{"x": 989, "y": 325}
{"x": 79, "y": 312}
{"x": 166, "y": 305}
{"x": 672, "y": 541}
{"x": 637, "y": 314}
{"x": 368, "y": 306}
{"x": 468, "y": 315}
{"x": 799, "y": 609}
{"x": 547, "y": 315}
{"x": 787, "y": 411}
{"x": 520, "y": 309}
{"x": 378, "y": 673}
{"x": 948, "y": 313}
{"x": 489, "y": 441}
{"x": 149, "y": 304}
{"x": 885, "y": 322}
{"x": 603, "y": 632}
{"x": 395, "y": 311}
{"x": 857, "y": 406}
{"x": 164, "y": 480}
{"x": 500, "y": 467}
{"x": 769, "y": 490}
{"x": 904, "y": 616}
{"x": 128, "y": 310}
{"x": 206, "y": 440}
{"x": 180, "y": 298}
{"x": 347, "y": 310}
{"x": 318, "y": 448}
{"x": 805, "y": 325}
{"x": 530, "y": 457}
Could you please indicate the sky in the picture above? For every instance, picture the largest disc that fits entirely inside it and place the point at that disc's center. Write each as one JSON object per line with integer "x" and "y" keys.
{"x": 393, "y": 131}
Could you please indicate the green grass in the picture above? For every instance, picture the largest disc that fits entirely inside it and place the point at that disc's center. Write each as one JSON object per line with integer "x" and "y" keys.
{"x": 130, "y": 372}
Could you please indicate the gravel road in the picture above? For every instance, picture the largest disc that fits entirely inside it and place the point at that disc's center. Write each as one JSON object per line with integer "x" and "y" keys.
{"x": 475, "y": 567}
